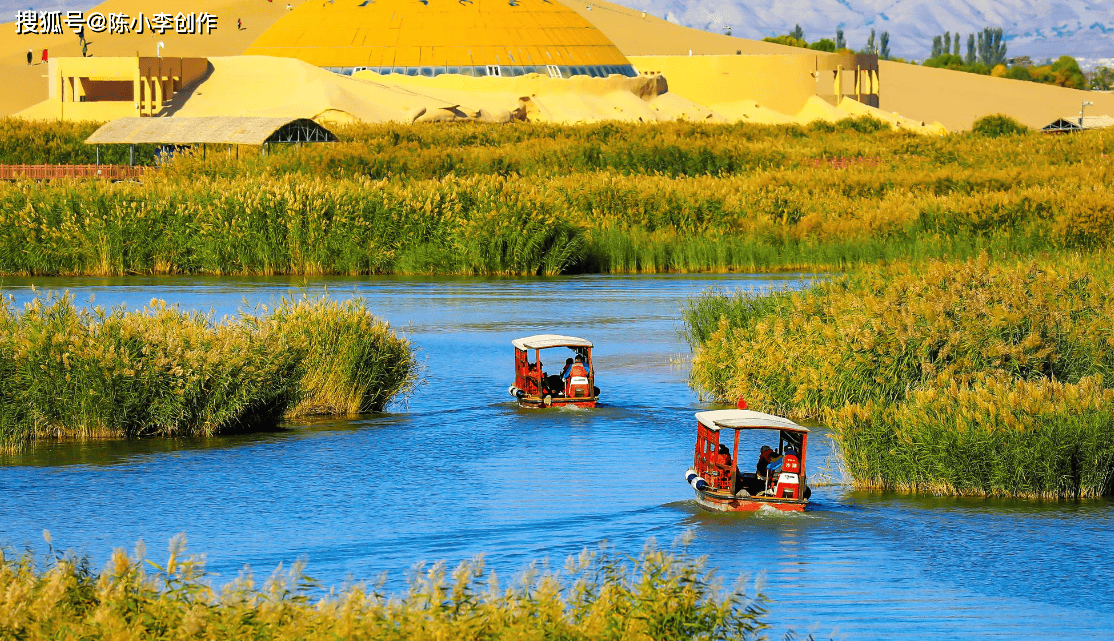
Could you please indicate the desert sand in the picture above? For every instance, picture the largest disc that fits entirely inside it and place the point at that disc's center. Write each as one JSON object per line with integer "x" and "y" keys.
{"x": 917, "y": 94}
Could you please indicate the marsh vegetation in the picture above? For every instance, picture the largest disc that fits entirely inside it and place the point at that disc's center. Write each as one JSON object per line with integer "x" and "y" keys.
{"x": 958, "y": 377}
{"x": 71, "y": 372}
{"x": 660, "y": 594}
{"x": 477, "y": 199}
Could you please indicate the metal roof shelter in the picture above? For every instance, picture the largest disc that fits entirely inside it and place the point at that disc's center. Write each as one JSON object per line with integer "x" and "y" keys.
{"x": 745, "y": 419}
{"x": 224, "y": 130}
{"x": 1075, "y": 123}
{"x": 543, "y": 341}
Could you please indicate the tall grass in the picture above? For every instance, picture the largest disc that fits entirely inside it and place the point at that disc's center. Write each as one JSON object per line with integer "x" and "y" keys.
{"x": 478, "y": 199}
{"x": 969, "y": 377}
{"x": 660, "y": 595}
{"x": 74, "y": 373}
{"x": 598, "y": 222}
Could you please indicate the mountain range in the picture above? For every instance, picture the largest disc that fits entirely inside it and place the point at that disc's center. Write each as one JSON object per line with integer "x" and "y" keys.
{"x": 1040, "y": 30}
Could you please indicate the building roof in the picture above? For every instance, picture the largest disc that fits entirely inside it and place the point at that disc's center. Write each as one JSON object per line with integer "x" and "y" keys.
{"x": 746, "y": 419}
{"x": 230, "y": 130}
{"x": 1073, "y": 123}
{"x": 437, "y": 33}
{"x": 543, "y": 341}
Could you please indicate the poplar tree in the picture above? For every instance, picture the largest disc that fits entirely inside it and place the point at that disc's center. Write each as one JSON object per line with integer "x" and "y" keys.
{"x": 972, "y": 58}
{"x": 798, "y": 32}
{"x": 871, "y": 47}
{"x": 937, "y": 47}
{"x": 840, "y": 42}
{"x": 884, "y": 51}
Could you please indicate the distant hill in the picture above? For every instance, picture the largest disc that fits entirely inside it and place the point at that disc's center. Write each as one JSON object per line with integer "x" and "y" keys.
{"x": 1039, "y": 30}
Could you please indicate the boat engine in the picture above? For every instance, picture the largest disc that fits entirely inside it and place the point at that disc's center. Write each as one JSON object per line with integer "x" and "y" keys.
{"x": 515, "y": 392}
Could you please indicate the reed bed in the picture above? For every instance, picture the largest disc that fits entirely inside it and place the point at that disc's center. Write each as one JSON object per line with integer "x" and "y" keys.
{"x": 596, "y": 222}
{"x": 480, "y": 199}
{"x": 76, "y": 373}
{"x": 660, "y": 595}
{"x": 973, "y": 377}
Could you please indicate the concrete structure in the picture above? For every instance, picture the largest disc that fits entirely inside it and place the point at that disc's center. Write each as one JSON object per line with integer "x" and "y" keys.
{"x": 1069, "y": 124}
{"x": 106, "y": 88}
{"x": 228, "y": 130}
{"x": 781, "y": 82}
{"x": 433, "y": 37}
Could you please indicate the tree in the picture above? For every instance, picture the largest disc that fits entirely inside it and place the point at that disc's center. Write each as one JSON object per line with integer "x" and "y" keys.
{"x": 840, "y": 42}
{"x": 884, "y": 51}
{"x": 871, "y": 47}
{"x": 947, "y": 42}
{"x": 992, "y": 51}
{"x": 1068, "y": 73}
{"x": 788, "y": 41}
{"x": 937, "y": 47}
{"x": 1102, "y": 78}
{"x": 823, "y": 44}
{"x": 798, "y": 32}
{"x": 1017, "y": 72}
{"x": 972, "y": 58}
{"x": 955, "y": 47}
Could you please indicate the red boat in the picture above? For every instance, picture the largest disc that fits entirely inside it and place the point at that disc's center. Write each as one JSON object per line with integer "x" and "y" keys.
{"x": 573, "y": 381}
{"x": 778, "y": 479}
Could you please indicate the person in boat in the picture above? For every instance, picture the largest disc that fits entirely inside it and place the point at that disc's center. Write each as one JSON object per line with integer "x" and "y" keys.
{"x": 574, "y": 367}
{"x": 565, "y": 373}
{"x": 764, "y": 457}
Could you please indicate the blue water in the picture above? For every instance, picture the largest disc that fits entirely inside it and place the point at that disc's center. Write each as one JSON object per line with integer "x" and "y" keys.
{"x": 459, "y": 470}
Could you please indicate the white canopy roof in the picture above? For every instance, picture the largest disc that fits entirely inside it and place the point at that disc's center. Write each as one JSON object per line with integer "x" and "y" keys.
{"x": 719, "y": 419}
{"x": 542, "y": 341}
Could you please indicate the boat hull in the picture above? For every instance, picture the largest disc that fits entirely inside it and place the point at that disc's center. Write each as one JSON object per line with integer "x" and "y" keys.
{"x": 728, "y": 503}
{"x": 557, "y": 402}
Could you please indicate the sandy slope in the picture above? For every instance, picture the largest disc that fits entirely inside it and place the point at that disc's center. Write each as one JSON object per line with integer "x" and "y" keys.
{"x": 957, "y": 99}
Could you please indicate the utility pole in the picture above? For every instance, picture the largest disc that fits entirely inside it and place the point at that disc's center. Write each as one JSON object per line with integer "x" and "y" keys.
{"x": 1081, "y": 108}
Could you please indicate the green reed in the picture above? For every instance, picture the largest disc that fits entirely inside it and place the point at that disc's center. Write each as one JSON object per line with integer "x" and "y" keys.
{"x": 927, "y": 373}
{"x": 481, "y": 199}
{"x": 659, "y": 595}
{"x": 75, "y": 373}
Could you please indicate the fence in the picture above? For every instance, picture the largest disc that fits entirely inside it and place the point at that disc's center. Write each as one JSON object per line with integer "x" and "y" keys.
{"x": 48, "y": 172}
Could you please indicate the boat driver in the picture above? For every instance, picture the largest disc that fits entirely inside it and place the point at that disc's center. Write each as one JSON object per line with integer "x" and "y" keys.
{"x": 569, "y": 363}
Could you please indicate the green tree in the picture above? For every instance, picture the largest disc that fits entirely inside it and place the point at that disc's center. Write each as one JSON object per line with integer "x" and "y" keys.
{"x": 992, "y": 51}
{"x": 823, "y": 44}
{"x": 788, "y": 41}
{"x": 972, "y": 57}
{"x": 840, "y": 42}
{"x": 1102, "y": 79}
{"x": 884, "y": 50}
{"x": 937, "y": 47}
{"x": 798, "y": 32}
{"x": 947, "y": 42}
{"x": 871, "y": 46}
{"x": 1068, "y": 74}
{"x": 1018, "y": 72}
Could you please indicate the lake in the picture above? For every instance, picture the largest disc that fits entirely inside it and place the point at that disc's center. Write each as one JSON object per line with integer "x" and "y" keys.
{"x": 460, "y": 470}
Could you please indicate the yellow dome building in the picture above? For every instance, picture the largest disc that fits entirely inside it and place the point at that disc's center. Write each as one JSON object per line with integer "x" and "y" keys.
{"x": 432, "y": 37}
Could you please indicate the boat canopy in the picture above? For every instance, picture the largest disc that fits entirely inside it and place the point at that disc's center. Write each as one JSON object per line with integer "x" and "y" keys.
{"x": 543, "y": 341}
{"x": 746, "y": 419}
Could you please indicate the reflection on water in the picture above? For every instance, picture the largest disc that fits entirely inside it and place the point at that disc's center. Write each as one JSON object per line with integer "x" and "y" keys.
{"x": 460, "y": 470}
